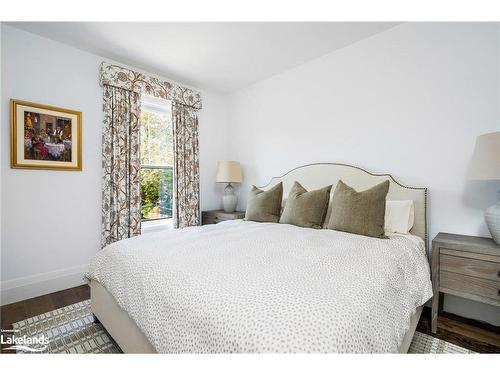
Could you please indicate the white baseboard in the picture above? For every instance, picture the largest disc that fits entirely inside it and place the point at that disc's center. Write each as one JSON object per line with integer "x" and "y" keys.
{"x": 43, "y": 283}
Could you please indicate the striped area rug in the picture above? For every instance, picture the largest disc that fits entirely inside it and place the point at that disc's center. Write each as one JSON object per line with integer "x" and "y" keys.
{"x": 423, "y": 344}
{"x": 72, "y": 329}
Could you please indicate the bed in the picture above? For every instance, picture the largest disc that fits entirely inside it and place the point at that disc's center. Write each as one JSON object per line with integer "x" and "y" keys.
{"x": 248, "y": 287}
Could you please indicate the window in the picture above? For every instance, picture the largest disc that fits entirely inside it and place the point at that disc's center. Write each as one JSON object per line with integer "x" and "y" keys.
{"x": 156, "y": 159}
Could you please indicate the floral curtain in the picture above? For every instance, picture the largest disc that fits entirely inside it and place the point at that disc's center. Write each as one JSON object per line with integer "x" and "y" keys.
{"x": 121, "y": 160}
{"x": 187, "y": 166}
{"x": 121, "y": 192}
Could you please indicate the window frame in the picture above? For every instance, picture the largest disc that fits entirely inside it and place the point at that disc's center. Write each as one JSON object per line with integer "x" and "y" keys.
{"x": 161, "y": 107}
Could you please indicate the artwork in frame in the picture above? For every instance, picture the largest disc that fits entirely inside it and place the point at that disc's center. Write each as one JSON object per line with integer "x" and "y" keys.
{"x": 45, "y": 137}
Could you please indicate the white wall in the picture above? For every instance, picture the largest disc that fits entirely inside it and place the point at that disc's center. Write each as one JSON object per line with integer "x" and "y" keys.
{"x": 214, "y": 146}
{"x": 51, "y": 220}
{"x": 409, "y": 101}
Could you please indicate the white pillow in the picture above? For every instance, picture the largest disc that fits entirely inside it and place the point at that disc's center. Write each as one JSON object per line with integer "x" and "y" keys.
{"x": 399, "y": 216}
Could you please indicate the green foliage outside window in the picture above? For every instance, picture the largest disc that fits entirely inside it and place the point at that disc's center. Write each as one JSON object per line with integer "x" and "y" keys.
{"x": 156, "y": 193}
{"x": 156, "y": 139}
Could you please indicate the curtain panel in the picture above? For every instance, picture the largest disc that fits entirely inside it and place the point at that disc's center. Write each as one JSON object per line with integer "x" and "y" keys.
{"x": 187, "y": 166}
{"x": 121, "y": 190}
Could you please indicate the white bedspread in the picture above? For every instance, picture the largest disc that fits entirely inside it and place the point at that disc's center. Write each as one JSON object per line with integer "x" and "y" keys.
{"x": 258, "y": 287}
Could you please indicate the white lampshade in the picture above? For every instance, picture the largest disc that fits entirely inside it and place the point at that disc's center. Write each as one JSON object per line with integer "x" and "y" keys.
{"x": 485, "y": 163}
{"x": 228, "y": 171}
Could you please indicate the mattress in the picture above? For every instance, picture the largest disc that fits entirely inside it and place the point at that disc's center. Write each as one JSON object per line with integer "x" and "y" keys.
{"x": 259, "y": 287}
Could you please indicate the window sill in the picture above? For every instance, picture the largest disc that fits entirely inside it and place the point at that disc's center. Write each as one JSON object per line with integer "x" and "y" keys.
{"x": 156, "y": 225}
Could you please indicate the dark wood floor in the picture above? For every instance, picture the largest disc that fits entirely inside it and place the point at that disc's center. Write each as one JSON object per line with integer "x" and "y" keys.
{"x": 468, "y": 333}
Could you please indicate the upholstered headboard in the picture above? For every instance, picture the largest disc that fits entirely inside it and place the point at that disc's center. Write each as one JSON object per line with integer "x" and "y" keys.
{"x": 314, "y": 176}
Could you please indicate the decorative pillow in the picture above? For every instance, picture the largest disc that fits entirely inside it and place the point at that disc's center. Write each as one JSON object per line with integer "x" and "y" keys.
{"x": 264, "y": 206}
{"x": 399, "y": 216}
{"x": 359, "y": 212}
{"x": 306, "y": 208}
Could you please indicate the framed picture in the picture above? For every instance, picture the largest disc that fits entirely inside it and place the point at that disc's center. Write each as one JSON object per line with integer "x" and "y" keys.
{"x": 45, "y": 137}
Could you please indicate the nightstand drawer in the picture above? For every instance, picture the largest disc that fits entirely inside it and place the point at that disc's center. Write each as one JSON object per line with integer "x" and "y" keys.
{"x": 224, "y": 216}
{"x": 470, "y": 267}
{"x": 217, "y": 216}
{"x": 472, "y": 285}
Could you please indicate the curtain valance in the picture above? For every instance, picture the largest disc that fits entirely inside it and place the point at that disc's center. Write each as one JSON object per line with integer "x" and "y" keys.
{"x": 125, "y": 78}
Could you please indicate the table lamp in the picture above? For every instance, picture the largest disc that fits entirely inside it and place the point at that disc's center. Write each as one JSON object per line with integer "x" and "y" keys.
{"x": 486, "y": 166}
{"x": 229, "y": 172}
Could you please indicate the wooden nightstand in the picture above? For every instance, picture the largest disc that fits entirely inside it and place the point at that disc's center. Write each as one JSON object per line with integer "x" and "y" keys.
{"x": 465, "y": 266}
{"x": 216, "y": 216}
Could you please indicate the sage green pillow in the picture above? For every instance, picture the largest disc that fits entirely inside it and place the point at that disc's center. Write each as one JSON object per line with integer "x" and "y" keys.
{"x": 306, "y": 208}
{"x": 359, "y": 212}
{"x": 264, "y": 206}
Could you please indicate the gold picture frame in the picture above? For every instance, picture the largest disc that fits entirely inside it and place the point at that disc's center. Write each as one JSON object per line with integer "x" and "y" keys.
{"x": 49, "y": 137}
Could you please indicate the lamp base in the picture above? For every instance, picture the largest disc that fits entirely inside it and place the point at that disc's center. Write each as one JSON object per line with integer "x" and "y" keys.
{"x": 492, "y": 216}
{"x": 229, "y": 199}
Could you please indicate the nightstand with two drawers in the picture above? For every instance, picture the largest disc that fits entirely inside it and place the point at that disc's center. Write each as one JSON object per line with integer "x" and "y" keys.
{"x": 464, "y": 266}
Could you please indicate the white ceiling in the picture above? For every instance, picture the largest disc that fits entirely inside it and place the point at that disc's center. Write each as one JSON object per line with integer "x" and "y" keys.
{"x": 223, "y": 57}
